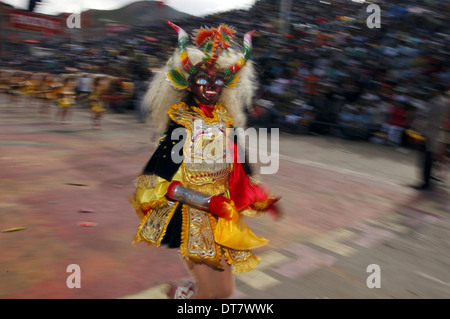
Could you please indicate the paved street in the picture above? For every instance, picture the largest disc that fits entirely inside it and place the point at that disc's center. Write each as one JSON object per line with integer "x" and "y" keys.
{"x": 64, "y": 200}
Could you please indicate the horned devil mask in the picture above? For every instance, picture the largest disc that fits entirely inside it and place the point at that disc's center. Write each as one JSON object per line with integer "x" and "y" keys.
{"x": 206, "y": 79}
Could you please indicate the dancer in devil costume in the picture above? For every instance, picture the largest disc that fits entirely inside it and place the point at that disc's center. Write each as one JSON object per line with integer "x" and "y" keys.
{"x": 195, "y": 190}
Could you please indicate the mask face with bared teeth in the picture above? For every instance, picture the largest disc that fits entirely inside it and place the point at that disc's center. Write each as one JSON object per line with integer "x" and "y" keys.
{"x": 206, "y": 85}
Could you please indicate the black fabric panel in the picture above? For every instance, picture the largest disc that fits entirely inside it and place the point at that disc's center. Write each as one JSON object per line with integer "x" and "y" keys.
{"x": 161, "y": 163}
{"x": 172, "y": 238}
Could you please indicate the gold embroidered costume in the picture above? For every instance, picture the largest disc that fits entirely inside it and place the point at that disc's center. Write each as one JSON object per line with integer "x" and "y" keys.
{"x": 194, "y": 192}
{"x": 206, "y": 171}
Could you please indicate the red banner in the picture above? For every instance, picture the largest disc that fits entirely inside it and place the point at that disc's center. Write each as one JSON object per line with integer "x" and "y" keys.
{"x": 35, "y": 22}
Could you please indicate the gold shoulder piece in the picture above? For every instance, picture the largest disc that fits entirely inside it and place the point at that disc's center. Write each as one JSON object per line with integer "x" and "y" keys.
{"x": 181, "y": 114}
{"x": 223, "y": 114}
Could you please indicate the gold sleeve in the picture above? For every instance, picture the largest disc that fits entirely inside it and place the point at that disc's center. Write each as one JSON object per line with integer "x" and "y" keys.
{"x": 150, "y": 193}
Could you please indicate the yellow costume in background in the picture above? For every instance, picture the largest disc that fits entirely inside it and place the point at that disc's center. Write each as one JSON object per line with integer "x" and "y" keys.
{"x": 97, "y": 103}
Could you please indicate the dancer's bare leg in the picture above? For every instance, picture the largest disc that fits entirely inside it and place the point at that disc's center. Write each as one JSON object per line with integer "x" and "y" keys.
{"x": 212, "y": 283}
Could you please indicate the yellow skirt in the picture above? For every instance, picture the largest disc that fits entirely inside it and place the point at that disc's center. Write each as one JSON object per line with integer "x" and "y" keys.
{"x": 98, "y": 109}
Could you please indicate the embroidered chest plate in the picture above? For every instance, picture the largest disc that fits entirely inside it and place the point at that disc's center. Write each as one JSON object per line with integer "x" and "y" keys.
{"x": 206, "y": 165}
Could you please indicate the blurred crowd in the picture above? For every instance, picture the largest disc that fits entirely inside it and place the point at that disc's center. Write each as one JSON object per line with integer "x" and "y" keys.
{"x": 322, "y": 70}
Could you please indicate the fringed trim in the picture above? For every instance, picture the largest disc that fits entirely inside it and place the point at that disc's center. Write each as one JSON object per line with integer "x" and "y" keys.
{"x": 242, "y": 265}
{"x": 184, "y": 230}
{"x": 250, "y": 264}
{"x": 147, "y": 181}
{"x": 138, "y": 238}
{"x": 263, "y": 205}
{"x": 250, "y": 212}
{"x": 137, "y": 208}
{"x": 143, "y": 209}
{"x": 257, "y": 209}
{"x": 150, "y": 206}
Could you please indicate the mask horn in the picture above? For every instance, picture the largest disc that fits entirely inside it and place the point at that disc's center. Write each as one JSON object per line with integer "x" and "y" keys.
{"x": 182, "y": 41}
{"x": 245, "y": 55}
